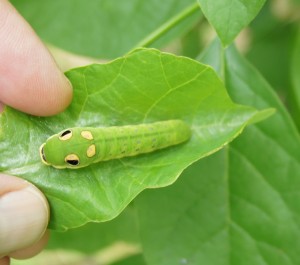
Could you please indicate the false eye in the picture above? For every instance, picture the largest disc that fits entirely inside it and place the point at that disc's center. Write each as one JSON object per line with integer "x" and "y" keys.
{"x": 65, "y": 135}
{"x": 72, "y": 160}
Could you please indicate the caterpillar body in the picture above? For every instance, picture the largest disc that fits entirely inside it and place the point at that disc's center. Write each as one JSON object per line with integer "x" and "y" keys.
{"x": 81, "y": 146}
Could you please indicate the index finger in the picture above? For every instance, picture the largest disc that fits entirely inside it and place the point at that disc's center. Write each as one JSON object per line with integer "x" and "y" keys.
{"x": 29, "y": 77}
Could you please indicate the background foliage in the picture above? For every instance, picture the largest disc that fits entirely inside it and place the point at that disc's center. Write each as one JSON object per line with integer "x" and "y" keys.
{"x": 238, "y": 206}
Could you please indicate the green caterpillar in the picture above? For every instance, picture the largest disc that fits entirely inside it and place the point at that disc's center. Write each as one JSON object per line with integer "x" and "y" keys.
{"x": 81, "y": 146}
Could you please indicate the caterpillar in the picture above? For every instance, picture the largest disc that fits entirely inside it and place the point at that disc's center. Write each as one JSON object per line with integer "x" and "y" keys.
{"x": 81, "y": 146}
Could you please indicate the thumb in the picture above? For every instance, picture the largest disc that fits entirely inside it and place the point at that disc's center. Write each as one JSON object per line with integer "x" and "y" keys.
{"x": 24, "y": 214}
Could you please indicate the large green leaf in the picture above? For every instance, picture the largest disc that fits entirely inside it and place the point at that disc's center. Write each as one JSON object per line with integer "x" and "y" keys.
{"x": 229, "y": 17}
{"x": 264, "y": 177}
{"x": 104, "y": 28}
{"x": 240, "y": 206}
{"x": 142, "y": 87}
{"x": 187, "y": 223}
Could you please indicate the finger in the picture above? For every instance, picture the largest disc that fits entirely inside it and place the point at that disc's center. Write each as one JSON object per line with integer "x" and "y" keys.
{"x": 24, "y": 214}
{"x": 29, "y": 77}
{"x": 32, "y": 250}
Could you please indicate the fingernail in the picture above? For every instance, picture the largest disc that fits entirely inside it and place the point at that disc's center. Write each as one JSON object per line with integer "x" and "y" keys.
{"x": 24, "y": 217}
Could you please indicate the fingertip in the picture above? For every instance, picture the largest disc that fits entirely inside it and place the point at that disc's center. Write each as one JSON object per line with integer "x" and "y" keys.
{"x": 32, "y": 250}
{"x": 30, "y": 80}
{"x": 52, "y": 97}
{"x": 24, "y": 214}
{"x": 66, "y": 94}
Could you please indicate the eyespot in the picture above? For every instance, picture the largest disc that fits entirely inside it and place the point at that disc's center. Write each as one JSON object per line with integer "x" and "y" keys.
{"x": 72, "y": 160}
{"x": 65, "y": 135}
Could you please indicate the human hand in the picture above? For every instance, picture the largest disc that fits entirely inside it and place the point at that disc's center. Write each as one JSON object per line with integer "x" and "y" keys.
{"x": 31, "y": 82}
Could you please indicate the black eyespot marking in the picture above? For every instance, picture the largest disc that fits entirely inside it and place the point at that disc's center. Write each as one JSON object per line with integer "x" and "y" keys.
{"x": 73, "y": 162}
{"x": 66, "y": 132}
{"x": 65, "y": 135}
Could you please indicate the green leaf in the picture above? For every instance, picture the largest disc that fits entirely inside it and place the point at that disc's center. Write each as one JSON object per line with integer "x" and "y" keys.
{"x": 144, "y": 86}
{"x": 104, "y": 28}
{"x": 229, "y": 17}
{"x": 269, "y": 36}
{"x": 124, "y": 228}
{"x": 187, "y": 223}
{"x": 241, "y": 205}
{"x": 264, "y": 175}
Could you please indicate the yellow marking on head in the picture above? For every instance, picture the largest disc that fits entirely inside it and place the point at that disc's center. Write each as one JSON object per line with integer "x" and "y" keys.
{"x": 87, "y": 135}
{"x": 65, "y": 135}
{"x": 91, "y": 151}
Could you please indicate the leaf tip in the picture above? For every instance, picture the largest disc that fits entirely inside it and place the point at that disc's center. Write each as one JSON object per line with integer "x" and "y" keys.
{"x": 261, "y": 115}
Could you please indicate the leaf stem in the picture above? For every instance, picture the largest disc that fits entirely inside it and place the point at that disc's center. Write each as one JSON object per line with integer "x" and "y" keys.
{"x": 168, "y": 25}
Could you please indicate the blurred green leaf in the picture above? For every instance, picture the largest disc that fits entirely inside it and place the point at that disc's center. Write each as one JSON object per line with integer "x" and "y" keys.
{"x": 190, "y": 42}
{"x": 230, "y": 17}
{"x": 272, "y": 41}
{"x": 145, "y": 86}
{"x": 241, "y": 205}
{"x": 103, "y": 28}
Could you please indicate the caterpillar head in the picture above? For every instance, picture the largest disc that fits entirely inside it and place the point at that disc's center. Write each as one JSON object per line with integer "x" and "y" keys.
{"x": 67, "y": 149}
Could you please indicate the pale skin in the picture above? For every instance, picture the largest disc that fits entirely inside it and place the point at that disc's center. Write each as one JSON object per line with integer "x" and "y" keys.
{"x": 31, "y": 82}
